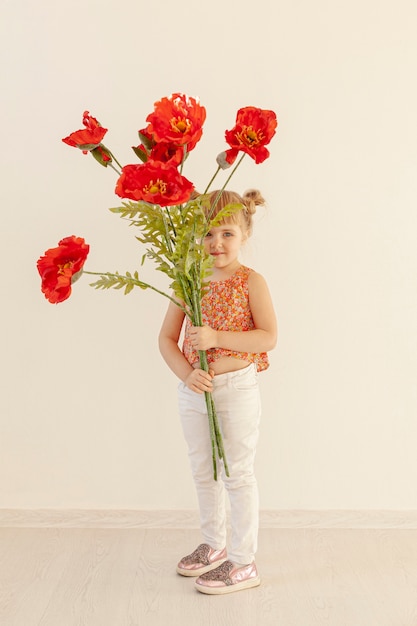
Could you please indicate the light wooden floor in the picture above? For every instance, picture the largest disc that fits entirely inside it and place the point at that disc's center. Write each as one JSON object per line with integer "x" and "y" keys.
{"x": 126, "y": 577}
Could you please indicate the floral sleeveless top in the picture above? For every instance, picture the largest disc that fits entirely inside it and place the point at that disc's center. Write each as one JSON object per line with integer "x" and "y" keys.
{"x": 225, "y": 306}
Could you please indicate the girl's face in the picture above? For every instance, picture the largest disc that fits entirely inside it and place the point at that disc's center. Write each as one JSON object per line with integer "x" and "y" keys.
{"x": 223, "y": 243}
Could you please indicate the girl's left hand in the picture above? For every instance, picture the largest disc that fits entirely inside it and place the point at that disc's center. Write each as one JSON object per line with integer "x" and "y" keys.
{"x": 203, "y": 337}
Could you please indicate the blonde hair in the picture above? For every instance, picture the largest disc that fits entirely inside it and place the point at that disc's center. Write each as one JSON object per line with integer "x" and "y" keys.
{"x": 251, "y": 199}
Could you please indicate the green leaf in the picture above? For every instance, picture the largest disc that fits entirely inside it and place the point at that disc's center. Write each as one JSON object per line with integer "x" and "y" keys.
{"x": 141, "y": 154}
{"x": 148, "y": 143}
{"x": 224, "y": 213}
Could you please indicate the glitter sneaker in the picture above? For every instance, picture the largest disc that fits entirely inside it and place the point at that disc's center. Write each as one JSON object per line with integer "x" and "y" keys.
{"x": 227, "y": 578}
{"x": 202, "y": 560}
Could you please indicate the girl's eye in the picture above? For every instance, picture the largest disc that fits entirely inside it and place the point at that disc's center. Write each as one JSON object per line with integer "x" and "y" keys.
{"x": 226, "y": 233}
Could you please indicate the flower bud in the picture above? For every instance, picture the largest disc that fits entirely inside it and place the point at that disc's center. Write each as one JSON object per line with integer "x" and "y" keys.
{"x": 140, "y": 152}
{"x": 102, "y": 155}
{"x": 222, "y": 161}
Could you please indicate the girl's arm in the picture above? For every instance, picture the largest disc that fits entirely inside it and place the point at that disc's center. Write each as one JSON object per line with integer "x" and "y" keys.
{"x": 194, "y": 378}
{"x": 264, "y": 336}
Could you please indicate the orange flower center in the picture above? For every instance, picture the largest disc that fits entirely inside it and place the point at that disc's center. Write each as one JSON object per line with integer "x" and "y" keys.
{"x": 156, "y": 187}
{"x": 250, "y": 137}
{"x": 64, "y": 266}
{"x": 180, "y": 125}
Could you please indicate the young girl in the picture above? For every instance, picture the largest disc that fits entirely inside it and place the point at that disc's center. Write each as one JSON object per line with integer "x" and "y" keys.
{"x": 239, "y": 328}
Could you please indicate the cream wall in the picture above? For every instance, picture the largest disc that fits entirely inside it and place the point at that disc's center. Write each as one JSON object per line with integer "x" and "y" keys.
{"x": 88, "y": 408}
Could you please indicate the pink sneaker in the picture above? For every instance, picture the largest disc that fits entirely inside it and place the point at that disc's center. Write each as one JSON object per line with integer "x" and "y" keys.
{"x": 227, "y": 578}
{"x": 202, "y": 560}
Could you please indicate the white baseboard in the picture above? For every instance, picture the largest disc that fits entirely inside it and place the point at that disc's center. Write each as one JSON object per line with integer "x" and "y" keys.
{"x": 94, "y": 518}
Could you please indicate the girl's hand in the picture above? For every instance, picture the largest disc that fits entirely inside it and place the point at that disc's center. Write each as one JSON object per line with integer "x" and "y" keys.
{"x": 199, "y": 381}
{"x": 203, "y": 337}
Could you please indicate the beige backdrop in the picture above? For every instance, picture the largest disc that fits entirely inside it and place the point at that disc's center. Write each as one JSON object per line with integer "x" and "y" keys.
{"x": 88, "y": 408}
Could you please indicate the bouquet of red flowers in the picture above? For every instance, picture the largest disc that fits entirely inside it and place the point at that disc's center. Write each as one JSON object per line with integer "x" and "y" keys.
{"x": 162, "y": 203}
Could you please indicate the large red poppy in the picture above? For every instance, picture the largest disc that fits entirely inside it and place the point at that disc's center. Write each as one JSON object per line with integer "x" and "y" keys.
{"x": 177, "y": 120}
{"x": 87, "y": 138}
{"x": 58, "y": 266}
{"x": 253, "y": 130}
{"x": 157, "y": 183}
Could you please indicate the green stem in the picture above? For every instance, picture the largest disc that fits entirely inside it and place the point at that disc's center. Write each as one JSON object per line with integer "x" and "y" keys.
{"x": 167, "y": 235}
{"x": 219, "y": 439}
{"x": 183, "y": 158}
{"x": 115, "y": 169}
{"x": 114, "y": 158}
{"x": 215, "y": 434}
{"x": 187, "y": 299}
{"x": 234, "y": 169}
{"x": 217, "y": 198}
{"x": 212, "y": 179}
{"x": 210, "y": 413}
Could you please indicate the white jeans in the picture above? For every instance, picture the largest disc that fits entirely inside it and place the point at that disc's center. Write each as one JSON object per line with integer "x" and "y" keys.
{"x": 238, "y": 407}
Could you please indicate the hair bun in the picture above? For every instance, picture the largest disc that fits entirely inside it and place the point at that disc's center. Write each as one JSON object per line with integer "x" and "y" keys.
{"x": 253, "y": 198}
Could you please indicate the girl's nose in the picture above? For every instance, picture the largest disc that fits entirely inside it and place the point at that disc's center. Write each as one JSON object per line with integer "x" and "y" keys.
{"x": 215, "y": 242}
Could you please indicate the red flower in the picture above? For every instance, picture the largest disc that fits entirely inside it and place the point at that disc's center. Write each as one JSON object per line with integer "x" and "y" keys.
{"x": 157, "y": 183}
{"x": 165, "y": 152}
{"x": 89, "y": 137}
{"x": 253, "y": 130}
{"x": 177, "y": 120}
{"x": 58, "y": 266}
